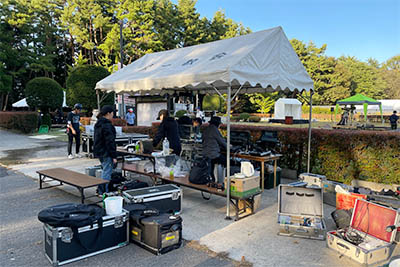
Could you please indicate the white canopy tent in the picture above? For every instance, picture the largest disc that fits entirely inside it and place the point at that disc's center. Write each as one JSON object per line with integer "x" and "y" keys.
{"x": 287, "y": 107}
{"x": 22, "y": 103}
{"x": 263, "y": 61}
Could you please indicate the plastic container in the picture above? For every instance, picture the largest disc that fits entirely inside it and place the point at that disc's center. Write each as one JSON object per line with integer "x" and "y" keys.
{"x": 113, "y": 205}
{"x": 166, "y": 147}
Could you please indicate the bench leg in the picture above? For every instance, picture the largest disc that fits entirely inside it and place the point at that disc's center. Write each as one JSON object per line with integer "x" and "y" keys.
{"x": 82, "y": 195}
{"x": 40, "y": 181}
{"x": 235, "y": 204}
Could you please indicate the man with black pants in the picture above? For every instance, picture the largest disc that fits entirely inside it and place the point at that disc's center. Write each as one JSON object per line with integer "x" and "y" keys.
{"x": 393, "y": 120}
{"x": 212, "y": 144}
{"x": 104, "y": 146}
{"x": 74, "y": 131}
{"x": 168, "y": 129}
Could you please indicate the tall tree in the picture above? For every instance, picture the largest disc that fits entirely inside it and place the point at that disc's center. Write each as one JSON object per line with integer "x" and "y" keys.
{"x": 193, "y": 30}
{"x": 391, "y": 75}
{"x": 222, "y": 27}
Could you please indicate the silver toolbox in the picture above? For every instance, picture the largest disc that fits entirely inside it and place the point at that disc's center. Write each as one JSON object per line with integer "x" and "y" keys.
{"x": 165, "y": 198}
{"x": 312, "y": 179}
{"x": 371, "y": 242}
{"x": 300, "y": 212}
{"x": 63, "y": 245}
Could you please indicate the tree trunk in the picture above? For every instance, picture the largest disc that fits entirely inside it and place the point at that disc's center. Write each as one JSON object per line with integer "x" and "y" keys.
{"x": 1, "y": 101}
{"x": 5, "y": 103}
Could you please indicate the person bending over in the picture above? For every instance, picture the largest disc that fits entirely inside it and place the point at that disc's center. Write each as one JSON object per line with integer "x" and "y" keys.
{"x": 169, "y": 129}
{"x": 104, "y": 146}
{"x": 212, "y": 144}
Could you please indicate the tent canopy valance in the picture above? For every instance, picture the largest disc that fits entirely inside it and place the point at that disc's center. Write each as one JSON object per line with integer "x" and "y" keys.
{"x": 260, "y": 61}
{"x": 359, "y": 99}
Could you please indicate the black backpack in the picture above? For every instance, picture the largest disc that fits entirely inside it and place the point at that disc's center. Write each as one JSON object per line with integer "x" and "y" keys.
{"x": 199, "y": 173}
{"x": 72, "y": 215}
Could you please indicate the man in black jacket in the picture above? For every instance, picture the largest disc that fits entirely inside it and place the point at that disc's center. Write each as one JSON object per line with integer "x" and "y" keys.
{"x": 169, "y": 129}
{"x": 104, "y": 146}
{"x": 393, "y": 120}
{"x": 212, "y": 144}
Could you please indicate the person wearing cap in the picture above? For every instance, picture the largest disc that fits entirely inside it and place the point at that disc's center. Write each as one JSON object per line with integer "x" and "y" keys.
{"x": 212, "y": 144}
{"x": 74, "y": 131}
{"x": 130, "y": 117}
{"x": 104, "y": 145}
{"x": 169, "y": 129}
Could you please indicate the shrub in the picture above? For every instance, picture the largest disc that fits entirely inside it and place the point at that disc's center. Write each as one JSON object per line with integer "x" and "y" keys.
{"x": 212, "y": 102}
{"x": 81, "y": 86}
{"x": 180, "y": 113}
{"x": 254, "y": 119}
{"x": 235, "y": 118}
{"x": 44, "y": 93}
{"x": 118, "y": 122}
{"x": 244, "y": 116}
{"x": 46, "y": 120}
{"x": 25, "y": 122}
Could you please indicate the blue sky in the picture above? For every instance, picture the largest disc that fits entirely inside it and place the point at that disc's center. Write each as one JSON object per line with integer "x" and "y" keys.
{"x": 360, "y": 28}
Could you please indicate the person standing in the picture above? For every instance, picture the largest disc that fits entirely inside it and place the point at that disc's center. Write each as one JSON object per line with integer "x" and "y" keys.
{"x": 393, "y": 120}
{"x": 212, "y": 144}
{"x": 74, "y": 131}
{"x": 130, "y": 117}
{"x": 168, "y": 129}
{"x": 104, "y": 146}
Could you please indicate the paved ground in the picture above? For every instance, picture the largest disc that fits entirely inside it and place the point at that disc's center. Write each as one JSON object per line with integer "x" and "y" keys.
{"x": 253, "y": 238}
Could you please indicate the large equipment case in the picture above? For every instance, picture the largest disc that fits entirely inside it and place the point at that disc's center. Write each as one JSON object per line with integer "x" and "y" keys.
{"x": 165, "y": 198}
{"x": 158, "y": 234}
{"x": 63, "y": 245}
{"x": 300, "y": 212}
{"x": 371, "y": 242}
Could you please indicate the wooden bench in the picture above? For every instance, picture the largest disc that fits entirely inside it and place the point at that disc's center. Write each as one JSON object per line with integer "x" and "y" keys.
{"x": 247, "y": 202}
{"x": 79, "y": 180}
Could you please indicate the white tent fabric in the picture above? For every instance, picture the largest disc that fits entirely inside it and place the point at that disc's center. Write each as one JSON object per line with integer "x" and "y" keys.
{"x": 287, "y": 107}
{"x": 263, "y": 59}
{"x": 22, "y": 103}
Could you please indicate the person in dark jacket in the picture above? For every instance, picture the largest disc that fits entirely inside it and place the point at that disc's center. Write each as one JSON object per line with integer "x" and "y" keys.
{"x": 212, "y": 144}
{"x": 169, "y": 129}
{"x": 74, "y": 131}
{"x": 104, "y": 146}
{"x": 393, "y": 120}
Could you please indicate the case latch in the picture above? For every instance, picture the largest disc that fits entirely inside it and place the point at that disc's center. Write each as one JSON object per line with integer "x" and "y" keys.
{"x": 139, "y": 200}
{"x": 66, "y": 235}
{"x": 119, "y": 222}
{"x": 175, "y": 195}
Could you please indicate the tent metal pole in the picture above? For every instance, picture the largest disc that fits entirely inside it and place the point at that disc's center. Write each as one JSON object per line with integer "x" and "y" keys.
{"x": 98, "y": 99}
{"x": 309, "y": 134}
{"x": 228, "y": 153}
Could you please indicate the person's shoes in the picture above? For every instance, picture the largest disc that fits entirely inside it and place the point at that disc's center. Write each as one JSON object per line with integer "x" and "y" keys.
{"x": 70, "y": 156}
{"x": 78, "y": 155}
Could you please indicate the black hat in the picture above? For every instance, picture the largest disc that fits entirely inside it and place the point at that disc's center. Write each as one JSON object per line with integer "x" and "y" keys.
{"x": 78, "y": 106}
{"x": 106, "y": 109}
{"x": 215, "y": 120}
{"x": 162, "y": 112}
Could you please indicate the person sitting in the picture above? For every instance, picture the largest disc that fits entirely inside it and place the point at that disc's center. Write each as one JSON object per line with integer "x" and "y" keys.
{"x": 197, "y": 122}
{"x": 212, "y": 144}
{"x": 393, "y": 120}
{"x": 168, "y": 129}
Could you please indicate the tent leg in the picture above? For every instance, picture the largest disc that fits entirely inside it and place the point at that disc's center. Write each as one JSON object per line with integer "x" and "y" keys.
{"x": 98, "y": 99}
{"x": 309, "y": 134}
{"x": 228, "y": 153}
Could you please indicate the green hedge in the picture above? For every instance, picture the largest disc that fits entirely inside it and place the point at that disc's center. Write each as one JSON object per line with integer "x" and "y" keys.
{"x": 25, "y": 122}
{"x": 319, "y": 110}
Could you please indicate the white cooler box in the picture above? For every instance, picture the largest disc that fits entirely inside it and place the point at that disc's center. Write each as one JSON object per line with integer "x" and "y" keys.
{"x": 371, "y": 242}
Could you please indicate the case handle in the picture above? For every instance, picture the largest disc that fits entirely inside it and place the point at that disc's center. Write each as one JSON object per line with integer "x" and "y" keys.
{"x": 343, "y": 246}
{"x": 301, "y": 230}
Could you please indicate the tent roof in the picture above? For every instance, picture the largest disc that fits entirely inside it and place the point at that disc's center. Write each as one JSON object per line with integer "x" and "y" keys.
{"x": 292, "y": 101}
{"x": 22, "y": 103}
{"x": 263, "y": 60}
{"x": 358, "y": 99}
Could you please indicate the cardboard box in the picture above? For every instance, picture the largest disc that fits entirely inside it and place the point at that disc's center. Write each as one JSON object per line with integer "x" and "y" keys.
{"x": 245, "y": 186}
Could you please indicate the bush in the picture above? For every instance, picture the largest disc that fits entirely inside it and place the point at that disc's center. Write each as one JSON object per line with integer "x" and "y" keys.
{"x": 180, "y": 113}
{"x": 81, "y": 86}
{"x": 341, "y": 155}
{"x": 118, "y": 122}
{"x": 244, "y": 116}
{"x": 319, "y": 110}
{"x": 235, "y": 118}
{"x": 212, "y": 102}
{"x": 44, "y": 93}
{"x": 254, "y": 119}
{"x": 46, "y": 120}
{"x": 25, "y": 122}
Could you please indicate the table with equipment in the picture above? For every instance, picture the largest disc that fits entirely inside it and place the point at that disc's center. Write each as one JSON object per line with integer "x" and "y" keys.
{"x": 124, "y": 138}
{"x": 262, "y": 160}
